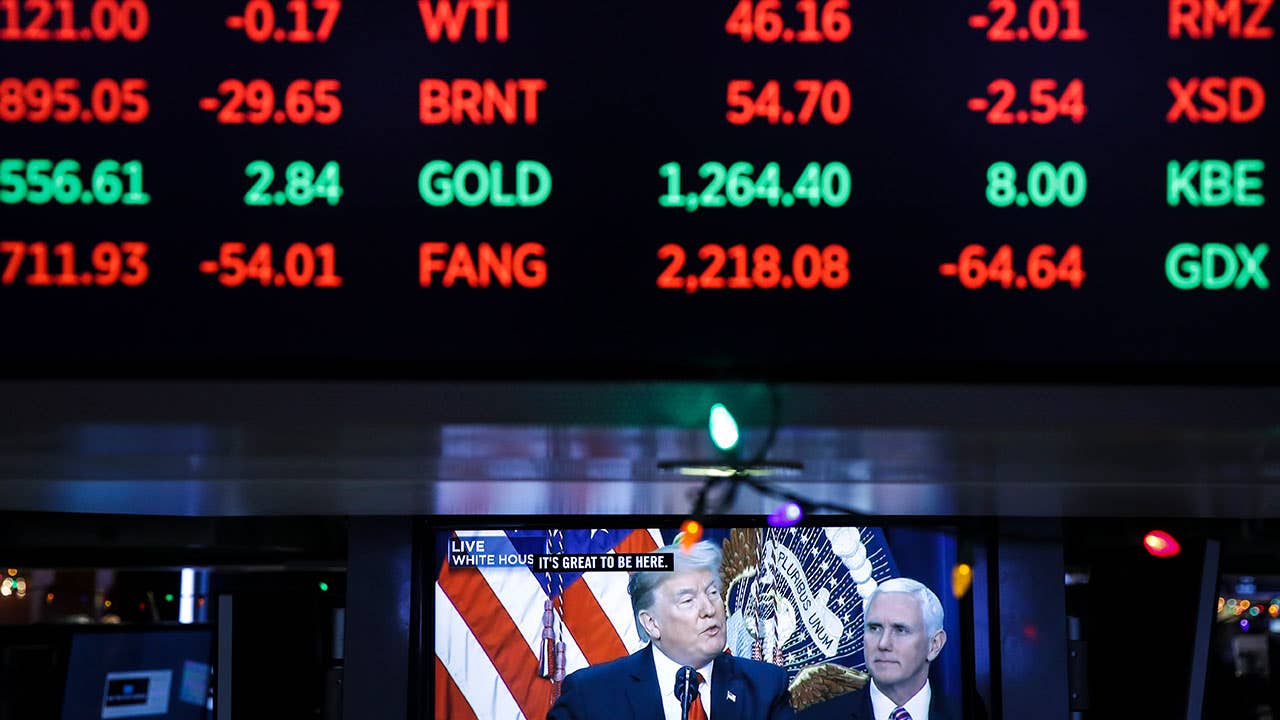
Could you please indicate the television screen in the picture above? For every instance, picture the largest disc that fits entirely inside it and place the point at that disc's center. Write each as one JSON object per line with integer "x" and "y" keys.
{"x": 518, "y": 610}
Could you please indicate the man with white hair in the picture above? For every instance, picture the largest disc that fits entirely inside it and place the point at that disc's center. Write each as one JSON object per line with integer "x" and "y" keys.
{"x": 682, "y": 615}
{"x": 902, "y": 635}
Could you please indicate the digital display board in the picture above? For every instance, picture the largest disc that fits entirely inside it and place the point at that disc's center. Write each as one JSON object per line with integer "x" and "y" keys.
{"x": 514, "y": 189}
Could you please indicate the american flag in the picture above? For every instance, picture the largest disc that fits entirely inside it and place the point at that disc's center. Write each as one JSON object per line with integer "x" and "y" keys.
{"x": 489, "y": 622}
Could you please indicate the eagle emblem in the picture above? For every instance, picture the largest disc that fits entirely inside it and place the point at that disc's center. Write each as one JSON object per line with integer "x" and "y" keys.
{"x": 793, "y": 597}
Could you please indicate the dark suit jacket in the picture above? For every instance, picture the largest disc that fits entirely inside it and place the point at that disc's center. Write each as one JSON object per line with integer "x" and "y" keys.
{"x": 857, "y": 706}
{"x": 627, "y": 689}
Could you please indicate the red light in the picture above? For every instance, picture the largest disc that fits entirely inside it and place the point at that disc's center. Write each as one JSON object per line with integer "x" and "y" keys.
{"x": 1161, "y": 544}
{"x": 692, "y": 533}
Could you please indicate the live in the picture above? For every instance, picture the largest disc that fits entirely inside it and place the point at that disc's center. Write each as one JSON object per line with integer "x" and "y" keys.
{"x": 1200, "y": 19}
{"x": 450, "y": 16}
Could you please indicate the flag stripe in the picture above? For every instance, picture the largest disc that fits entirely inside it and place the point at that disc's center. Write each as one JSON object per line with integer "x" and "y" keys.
{"x": 610, "y": 590}
{"x": 468, "y": 664}
{"x": 584, "y": 617}
{"x": 450, "y": 702}
{"x": 523, "y": 599}
{"x": 640, "y": 541}
{"x": 489, "y": 631}
{"x": 516, "y": 665}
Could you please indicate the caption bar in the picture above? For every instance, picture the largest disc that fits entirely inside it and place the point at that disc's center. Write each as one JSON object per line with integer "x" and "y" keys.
{"x": 498, "y": 552}
{"x": 612, "y": 562}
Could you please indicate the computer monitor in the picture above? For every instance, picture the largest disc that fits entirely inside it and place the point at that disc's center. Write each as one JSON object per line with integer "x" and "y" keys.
{"x": 157, "y": 674}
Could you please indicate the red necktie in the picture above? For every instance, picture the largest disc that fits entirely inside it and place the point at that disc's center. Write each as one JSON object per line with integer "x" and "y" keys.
{"x": 696, "y": 712}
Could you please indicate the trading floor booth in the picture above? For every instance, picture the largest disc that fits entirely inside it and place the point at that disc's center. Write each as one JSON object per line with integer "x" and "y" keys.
{"x": 296, "y": 294}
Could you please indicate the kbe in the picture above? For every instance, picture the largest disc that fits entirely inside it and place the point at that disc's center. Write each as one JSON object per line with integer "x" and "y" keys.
{"x": 1215, "y": 266}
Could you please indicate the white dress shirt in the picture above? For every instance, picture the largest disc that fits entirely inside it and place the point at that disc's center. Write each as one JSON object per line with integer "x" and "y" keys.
{"x": 667, "y": 671}
{"x": 917, "y": 707}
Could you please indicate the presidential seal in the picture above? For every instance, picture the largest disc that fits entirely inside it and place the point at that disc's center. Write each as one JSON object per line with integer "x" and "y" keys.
{"x": 794, "y": 598}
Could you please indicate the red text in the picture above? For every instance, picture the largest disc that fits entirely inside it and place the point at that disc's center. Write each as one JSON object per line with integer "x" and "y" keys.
{"x": 1220, "y": 99}
{"x": 479, "y": 102}
{"x": 447, "y": 18}
{"x": 523, "y": 264}
{"x": 1201, "y": 19}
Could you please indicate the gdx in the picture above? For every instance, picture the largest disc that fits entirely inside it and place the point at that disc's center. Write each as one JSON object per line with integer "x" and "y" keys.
{"x": 1191, "y": 266}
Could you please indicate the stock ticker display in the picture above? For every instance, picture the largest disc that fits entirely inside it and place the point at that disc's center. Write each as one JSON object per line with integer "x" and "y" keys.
{"x": 512, "y": 188}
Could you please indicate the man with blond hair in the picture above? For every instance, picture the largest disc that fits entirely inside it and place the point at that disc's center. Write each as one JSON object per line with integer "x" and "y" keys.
{"x": 682, "y": 616}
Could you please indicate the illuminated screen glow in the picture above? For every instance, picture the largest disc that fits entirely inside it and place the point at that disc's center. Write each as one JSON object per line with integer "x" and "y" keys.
{"x": 793, "y": 597}
{"x": 787, "y": 189}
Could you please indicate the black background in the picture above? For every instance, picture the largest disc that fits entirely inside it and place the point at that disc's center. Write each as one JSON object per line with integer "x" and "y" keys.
{"x": 630, "y": 87}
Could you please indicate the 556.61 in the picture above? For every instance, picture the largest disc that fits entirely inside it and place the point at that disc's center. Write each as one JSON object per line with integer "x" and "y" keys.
{"x": 39, "y": 181}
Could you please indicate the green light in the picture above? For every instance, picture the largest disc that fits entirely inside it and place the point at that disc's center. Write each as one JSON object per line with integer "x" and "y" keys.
{"x": 724, "y": 429}
{"x": 324, "y": 586}
{"x": 168, "y": 597}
